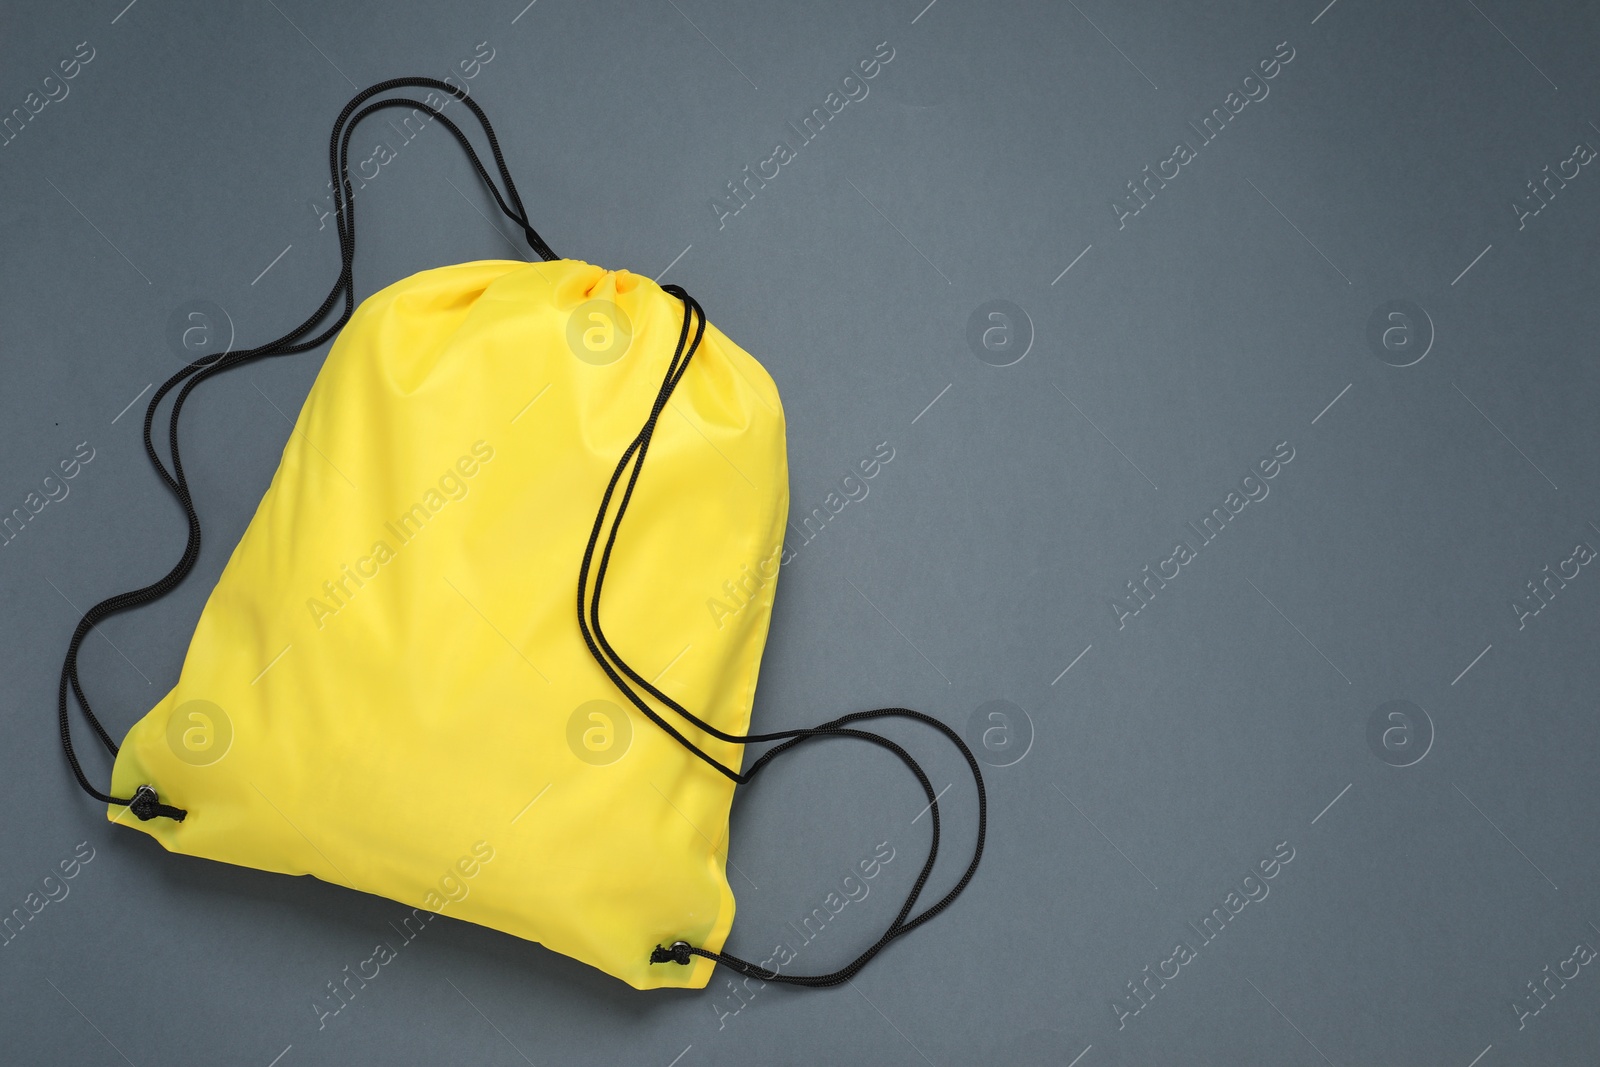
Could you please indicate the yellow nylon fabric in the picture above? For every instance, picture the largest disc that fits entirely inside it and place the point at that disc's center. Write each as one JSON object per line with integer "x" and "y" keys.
{"x": 390, "y": 666}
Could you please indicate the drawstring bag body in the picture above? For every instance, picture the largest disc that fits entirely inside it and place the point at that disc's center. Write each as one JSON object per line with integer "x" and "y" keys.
{"x": 390, "y": 689}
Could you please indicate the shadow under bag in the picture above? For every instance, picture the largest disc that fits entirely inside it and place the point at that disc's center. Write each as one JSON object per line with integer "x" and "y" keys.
{"x": 460, "y": 656}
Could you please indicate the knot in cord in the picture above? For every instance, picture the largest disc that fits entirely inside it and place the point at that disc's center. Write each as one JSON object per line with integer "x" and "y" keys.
{"x": 679, "y": 953}
{"x": 146, "y": 804}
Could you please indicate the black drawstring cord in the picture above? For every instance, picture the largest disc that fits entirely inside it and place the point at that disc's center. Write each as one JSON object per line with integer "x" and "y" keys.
{"x": 145, "y": 803}
{"x": 680, "y": 952}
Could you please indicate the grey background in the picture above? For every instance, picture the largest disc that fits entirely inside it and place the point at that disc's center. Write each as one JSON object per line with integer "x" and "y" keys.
{"x": 1175, "y": 753}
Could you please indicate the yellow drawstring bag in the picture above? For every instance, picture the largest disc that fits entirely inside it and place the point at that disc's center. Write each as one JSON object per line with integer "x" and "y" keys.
{"x": 435, "y": 665}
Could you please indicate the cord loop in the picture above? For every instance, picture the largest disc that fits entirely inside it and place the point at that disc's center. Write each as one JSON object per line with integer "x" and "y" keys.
{"x": 624, "y": 677}
{"x": 144, "y": 802}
